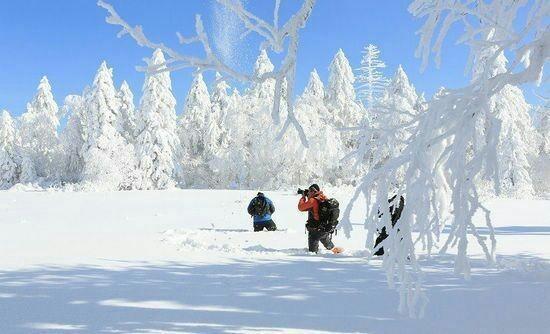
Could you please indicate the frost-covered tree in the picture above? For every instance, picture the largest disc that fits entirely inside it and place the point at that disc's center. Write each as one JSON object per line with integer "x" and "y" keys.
{"x": 10, "y": 158}
{"x": 540, "y": 167}
{"x": 195, "y": 117}
{"x": 220, "y": 99}
{"x": 108, "y": 159}
{"x": 218, "y": 133}
{"x": 543, "y": 129}
{"x": 370, "y": 81}
{"x": 340, "y": 95}
{"x": 127, "y": 117}
{"x": 314, "y": 94}
{"x": 232, "y": 165}
{"x": 39, "y": 140}
{"x": 517, "y": 141}
{"x": 196, "y": 134}
{"x": 321, "y": 161}
{"x": 440, "y": 175}
{"x": 72, "y": 138}
{"x": 508, "y": 110}
{"x": 269, "y": 160}
{"x": 396, "y": 112}
{"x": 157, "y": 142}
{"x": 264, "y": 91}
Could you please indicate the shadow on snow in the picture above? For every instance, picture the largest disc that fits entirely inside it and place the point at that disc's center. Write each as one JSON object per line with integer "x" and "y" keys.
{"x": 303, "y": 293}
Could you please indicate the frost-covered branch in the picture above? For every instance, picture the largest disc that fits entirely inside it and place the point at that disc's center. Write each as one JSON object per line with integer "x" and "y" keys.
{"x": 274, "y": 37}
{"x": 448, "y": 153}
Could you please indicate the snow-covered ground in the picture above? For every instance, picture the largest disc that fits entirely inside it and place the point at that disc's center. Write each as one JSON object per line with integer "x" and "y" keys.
{"x": 185, "y": 261}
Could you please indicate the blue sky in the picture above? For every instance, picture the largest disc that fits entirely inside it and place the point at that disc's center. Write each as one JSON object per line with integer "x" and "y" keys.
{"x": 67, "y": 40}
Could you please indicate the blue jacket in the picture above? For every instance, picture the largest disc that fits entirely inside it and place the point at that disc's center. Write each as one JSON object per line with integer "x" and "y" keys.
{"x": 265, "y": 217}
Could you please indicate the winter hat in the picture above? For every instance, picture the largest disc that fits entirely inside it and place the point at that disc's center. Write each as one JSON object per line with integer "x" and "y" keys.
{"x": 260, "y": 194}
{"x": 315, "y": 186}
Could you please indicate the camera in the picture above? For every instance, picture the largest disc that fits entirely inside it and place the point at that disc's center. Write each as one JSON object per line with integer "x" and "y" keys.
{"x": 303, "y": 192}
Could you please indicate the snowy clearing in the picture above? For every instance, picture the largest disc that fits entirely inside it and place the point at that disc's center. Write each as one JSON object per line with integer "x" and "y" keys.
{"x": 185, "y": 261}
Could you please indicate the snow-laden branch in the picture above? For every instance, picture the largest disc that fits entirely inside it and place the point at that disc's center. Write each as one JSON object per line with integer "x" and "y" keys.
{"x": 448, "y": 154}
{"x": 274, "y": 37}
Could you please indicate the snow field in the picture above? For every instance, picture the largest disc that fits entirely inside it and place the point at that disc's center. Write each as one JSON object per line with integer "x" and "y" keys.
{"x": 186, "y": 261}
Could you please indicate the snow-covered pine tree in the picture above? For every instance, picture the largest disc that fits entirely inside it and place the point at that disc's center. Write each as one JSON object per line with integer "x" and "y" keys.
{"x": 270, "y": 161}
{"x": 421, "y": 104}
{"x": 370, "y": 81}
{"x": 341, "y": 100}
{"x": 127, "y": 117}
{"x": 392, "y": 118}
{"x": 540, "y": 167}
{"x": 321, "y": 161}
{"x": 232, "y": 164}
{"x": 314, "y": 93}
{"x": 10, "y": 158}
{"x": 72, "y": 138}
{"x": 517, "y": 138}
{"x": 220, "y": 99}
{"x": 517, "y": 142}
{"x": 214, "y": 130}
{"x": 340, "y": 94}
{"x": 195, "y": 133}
{"x": 246, "y": 121}
{"x": 222, "y": 104}
{"x": 543, "y": 129}
{"x": 371, "y": 84}
{"x": 39, "y": 140}
{"x": 263, "y": 91}
{"x": 109, "y": 161}
{"x": 158, "y": 146}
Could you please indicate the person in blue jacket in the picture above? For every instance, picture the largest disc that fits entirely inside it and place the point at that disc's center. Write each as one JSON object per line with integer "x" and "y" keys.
{"x": 261, "y": 208}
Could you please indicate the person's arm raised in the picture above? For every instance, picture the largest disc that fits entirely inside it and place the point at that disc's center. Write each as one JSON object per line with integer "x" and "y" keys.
{"x": 304, "y": 205}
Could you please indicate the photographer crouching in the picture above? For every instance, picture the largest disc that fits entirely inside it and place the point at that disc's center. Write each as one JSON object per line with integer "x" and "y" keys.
{"x": 322, "y": 218}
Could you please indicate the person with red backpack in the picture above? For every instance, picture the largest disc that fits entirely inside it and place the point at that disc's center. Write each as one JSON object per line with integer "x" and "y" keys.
{"x": 322, "y": 218}
{"x": 261, "y": 208}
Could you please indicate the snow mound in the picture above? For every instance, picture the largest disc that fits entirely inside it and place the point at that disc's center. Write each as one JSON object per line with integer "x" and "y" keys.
{"x": 246, "y": 242}
{"x": 230, "y": 241}
{"x": 197, "y": 240}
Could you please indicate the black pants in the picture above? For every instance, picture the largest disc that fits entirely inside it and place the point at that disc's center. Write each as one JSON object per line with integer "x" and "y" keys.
{"x": 381, "y": 237}
{"x": 268, "y": 225}
{"x": 313, "y": 238}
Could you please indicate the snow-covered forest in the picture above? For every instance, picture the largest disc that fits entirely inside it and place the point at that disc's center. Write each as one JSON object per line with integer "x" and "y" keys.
{"x": 120, "y": 139}
{"x": 220, "y": 138}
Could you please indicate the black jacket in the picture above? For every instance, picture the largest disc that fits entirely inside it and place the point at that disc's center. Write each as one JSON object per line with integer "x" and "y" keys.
{"x": 395, "y": 212}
